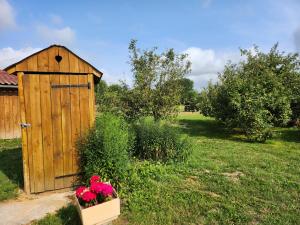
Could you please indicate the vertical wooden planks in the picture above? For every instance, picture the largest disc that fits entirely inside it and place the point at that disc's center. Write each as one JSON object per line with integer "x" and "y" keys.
{"x": 53, "y": 65}
{"x": 91, "y": 99}
{"x": 9, "y": 114}
{"x": 2, "y": 128}
{"x": 25, "y": 153}
{"x": 75, "y": 121}
{"x": 84, "y": 105}
{"x": 32, "y": 63}
{"x": 26, "y": 92}
{"x": 43, "y": 61}
{"x": 74, "y": 66}
{"x": 36, "y": 131}
{"x": 6, "y": 116}
{"x": 58, "y": 116}
{"x": 17, "y": 124}
{"x": 58, "y": 158}
{"x": 46, "y": 113}
{"x": 66, "y": 129}
{"x": 23, "y": 66}
{"x": 64, "y": 65}
{"x": 43, "y": 65}
{"x": 75, "y": 111}
{"x": 14, "y": 115}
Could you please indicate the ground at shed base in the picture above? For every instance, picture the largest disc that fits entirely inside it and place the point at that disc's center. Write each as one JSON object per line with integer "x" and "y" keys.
{"x": 25, "y": 210}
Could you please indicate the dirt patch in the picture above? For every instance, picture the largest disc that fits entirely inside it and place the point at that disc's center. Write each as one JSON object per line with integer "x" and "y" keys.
{"x": 192, "y": 181}
{"x": 206, "y": 171}
{"x": 234, "y": 176}
{"x": 121, "y": 221}
{"x": 212, "y": 194}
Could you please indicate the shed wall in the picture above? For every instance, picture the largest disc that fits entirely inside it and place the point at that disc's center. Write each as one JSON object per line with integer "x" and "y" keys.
{"x": 9, "y": 114}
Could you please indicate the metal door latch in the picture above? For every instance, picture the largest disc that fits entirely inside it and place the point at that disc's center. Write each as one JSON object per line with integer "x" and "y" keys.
{"x": 25, "y": 125}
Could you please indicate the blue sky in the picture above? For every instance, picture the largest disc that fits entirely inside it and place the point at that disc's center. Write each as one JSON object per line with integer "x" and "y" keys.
{"x": 210, "y": 31}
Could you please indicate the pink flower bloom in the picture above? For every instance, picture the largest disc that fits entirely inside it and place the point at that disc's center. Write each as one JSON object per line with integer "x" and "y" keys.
{"x": 107, "y": 190}
{"x": 80, "y": 190}
{"x": 94, "y": 179}
{"x": 88, "y": 196}
{"x": 96, "y": 187}
{"x": 102, "y": 188}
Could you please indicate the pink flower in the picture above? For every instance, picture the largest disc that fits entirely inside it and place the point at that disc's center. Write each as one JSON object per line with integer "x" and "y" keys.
{"x": 107, "y": 190}
{"x": 94, "y": 179}
{"x": 88, "y": 196}
{"x": 102, "y": 188}
{"x": 97, "y": 187}
{"x": 80, "y": 190}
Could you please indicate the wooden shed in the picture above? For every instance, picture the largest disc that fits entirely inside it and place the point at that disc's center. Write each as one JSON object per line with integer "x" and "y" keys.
{"x": 57, "y": 106}
{"x": 9, "y": 107}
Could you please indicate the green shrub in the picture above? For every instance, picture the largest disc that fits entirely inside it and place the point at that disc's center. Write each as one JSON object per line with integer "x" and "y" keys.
{"x": 256, "y": 94}
{"x": 104, "y": 151}
{"x": 160, "y": 142}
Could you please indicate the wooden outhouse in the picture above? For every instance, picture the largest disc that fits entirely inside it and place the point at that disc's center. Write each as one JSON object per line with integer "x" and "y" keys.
{"x": 9, "y": 107}
{"x": 57, "y": 106}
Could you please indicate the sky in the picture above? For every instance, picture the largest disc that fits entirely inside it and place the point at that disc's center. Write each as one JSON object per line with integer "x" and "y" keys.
{"x": 211, "y": 32}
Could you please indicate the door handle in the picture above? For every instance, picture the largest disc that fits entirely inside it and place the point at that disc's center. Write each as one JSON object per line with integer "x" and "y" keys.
{"x": 25, "y": 125}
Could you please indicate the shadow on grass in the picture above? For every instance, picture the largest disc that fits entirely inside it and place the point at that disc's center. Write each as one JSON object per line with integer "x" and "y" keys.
{"x": 207, "y": 128}
{"x": 11, "y": 165}
{"x": 288, "y": 134}
{"x": 67, "y": 215}
{"x": 213, "y": 129}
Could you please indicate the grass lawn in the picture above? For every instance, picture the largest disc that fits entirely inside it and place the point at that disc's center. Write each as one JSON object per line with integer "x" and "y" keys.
{"x": 226, "y": 181}
{"x": 11, "y": 172}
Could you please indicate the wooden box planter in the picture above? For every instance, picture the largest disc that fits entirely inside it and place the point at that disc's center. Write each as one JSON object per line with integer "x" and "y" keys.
{"x": 100, "y": 214}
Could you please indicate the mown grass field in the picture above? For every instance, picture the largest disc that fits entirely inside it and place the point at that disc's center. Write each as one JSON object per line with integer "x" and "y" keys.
{"x": 226, "y": 181}
{"x": 11, "y": 172}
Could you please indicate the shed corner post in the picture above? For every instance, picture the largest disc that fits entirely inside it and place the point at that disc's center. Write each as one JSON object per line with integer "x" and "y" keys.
{"x": 92, "y": 99}
{"x": 24, "y": 133}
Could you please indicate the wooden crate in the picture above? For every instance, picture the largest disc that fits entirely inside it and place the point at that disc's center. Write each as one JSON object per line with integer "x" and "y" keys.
{"x": 101, "y": 214}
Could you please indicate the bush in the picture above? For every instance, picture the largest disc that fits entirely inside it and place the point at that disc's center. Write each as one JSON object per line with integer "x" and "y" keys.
{"x": 256, "y": 94}
{"x": 160, "y": 142}
{"x": 104, "y": 151}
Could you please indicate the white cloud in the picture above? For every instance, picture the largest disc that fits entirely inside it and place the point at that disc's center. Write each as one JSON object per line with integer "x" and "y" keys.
{"x": 207, "y": 63}
{"x": 7, "y": 15}
{"x": 9, "y": 55}
{"x": 65, "y": 35}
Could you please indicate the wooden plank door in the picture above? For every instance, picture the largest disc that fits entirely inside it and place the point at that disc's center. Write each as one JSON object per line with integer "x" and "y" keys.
{"x": 57, "y": 111}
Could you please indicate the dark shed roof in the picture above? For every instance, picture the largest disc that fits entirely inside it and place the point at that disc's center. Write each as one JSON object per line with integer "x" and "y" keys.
{"x": 6, "y": 79}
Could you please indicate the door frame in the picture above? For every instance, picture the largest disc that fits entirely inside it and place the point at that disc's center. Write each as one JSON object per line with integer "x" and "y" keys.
{"x": 24, "y": 133}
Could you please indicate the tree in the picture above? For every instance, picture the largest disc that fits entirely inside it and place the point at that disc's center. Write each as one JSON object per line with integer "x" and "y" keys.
{"x": 110, "y": 98}
{"x": 255, "y": 94}
{"x": 189, "y": 96}
{"x": 156, "y": 88}
{"x": 100, "y": 89}
{"x": 187, "y": 87}
{"x": 207, "y": 98}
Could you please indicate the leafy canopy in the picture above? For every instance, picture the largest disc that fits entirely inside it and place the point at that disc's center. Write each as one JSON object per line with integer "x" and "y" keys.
{"x": 255, "y": 94}
{"x": 156, "y": 90}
